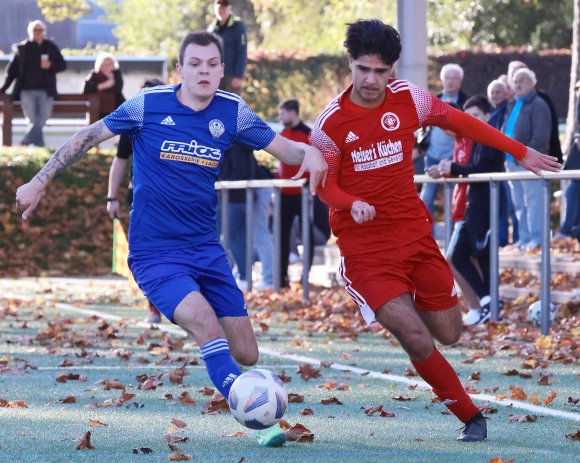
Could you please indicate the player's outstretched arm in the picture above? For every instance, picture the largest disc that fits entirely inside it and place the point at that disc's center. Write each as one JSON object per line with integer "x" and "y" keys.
{"x": 28, "y": 195}
{"x": 295, "y": 153}
{"x": 116, "y": 174}
{"x": 535, "y": 162}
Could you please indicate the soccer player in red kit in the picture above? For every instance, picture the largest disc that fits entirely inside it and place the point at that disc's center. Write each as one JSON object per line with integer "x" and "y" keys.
{"x": 392, "y": 266}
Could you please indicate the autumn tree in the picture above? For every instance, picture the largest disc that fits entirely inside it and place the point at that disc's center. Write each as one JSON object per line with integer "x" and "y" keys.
{"x": 59, "y": 10}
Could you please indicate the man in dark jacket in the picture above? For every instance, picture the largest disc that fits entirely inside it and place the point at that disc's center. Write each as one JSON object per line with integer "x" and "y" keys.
{"x": 34, "y": 65}
{"x": 233, "y": 33}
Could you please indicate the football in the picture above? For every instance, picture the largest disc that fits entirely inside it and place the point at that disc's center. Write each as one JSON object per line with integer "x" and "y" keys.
{"x": 535, "y": 312}
{"x": 258, "y": 399}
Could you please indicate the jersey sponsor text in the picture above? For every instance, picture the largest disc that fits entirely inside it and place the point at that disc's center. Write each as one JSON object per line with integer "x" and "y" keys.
{"x": 190, "y": 152}
{"x": 383, "y": 154}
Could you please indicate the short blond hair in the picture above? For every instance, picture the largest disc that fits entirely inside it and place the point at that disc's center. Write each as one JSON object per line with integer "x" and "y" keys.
{"x": 102, "y": 57}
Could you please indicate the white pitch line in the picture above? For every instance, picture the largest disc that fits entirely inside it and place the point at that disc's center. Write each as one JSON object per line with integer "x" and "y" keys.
{"x": 139, "y": 367}
{"x": 335, "y": 366}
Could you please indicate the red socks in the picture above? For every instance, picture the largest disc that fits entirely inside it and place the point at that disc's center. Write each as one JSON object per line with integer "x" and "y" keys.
{"x": 441, "y": 376}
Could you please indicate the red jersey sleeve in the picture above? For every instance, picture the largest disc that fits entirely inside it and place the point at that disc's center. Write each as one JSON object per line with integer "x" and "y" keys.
{"x": 331, "y": 193}
{"x": 432, "y": 111}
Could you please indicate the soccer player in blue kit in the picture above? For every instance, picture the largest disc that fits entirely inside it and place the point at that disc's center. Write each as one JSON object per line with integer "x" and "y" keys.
{"x": 180, "y": 134}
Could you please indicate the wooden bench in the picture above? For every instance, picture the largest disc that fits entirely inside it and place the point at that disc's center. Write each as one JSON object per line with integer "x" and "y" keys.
{"x": 72, "y": 104}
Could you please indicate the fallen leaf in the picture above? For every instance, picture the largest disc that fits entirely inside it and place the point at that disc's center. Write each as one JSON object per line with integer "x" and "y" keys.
{"x": 401, "y": 398}
{"x": 283, "y": 377}
{"x": 178, "y": 423}
{"x": 217, "y": 405}
{"x": 575, "y": 436}
{"x": 71, "y": 399}
{"x": 186, "y": 399}
{"x": 332, "y": 400}
{"x": 235, "y": 434}
{"x": 307, "y": 372}
{"x": 84, "y": 443}
{"x": 295, "y": 398}
{"x": 206, "y": 391}
{"x": 306, "y": 411}
{"x": 96, "y": 423}
{"x": 523, "y": 418}
{"x": 176, "y": 456}
{"x": 548, "y": 400}
{"x": 299, "y": 433}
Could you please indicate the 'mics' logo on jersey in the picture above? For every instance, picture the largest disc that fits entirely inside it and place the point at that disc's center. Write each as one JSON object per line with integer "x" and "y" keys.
{"x": 190, "y": 152}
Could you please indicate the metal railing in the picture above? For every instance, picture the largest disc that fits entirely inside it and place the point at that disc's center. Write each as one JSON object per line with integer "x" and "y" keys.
{"x": 448, "y": 183}
{"x": 495, "y": 180}
{"x": 276, "y": 184}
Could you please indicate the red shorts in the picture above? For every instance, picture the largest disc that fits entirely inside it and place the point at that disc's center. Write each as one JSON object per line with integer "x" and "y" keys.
{"x": 417, "y": 268}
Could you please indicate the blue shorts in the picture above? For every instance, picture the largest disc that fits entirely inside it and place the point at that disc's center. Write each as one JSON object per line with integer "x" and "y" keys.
{"x": 166, "y": 277}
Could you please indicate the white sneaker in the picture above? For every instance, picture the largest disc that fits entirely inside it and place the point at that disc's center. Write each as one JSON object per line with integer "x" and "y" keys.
{"x": 294, "y": 258}
{"x": 532, "y": 245}
{"x": 472, "y": 317}
{"x": 263, "y": 286}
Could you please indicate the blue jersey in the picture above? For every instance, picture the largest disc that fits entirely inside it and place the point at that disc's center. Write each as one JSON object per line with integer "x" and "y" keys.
{"x": 177, "y": 153}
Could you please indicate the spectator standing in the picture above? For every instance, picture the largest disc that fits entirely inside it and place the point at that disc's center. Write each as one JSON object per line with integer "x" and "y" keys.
{"x": 291, "y": 199}
{"x": 232, "y": 30}
{"x": 34, "y": 65}
{"x": 469, "y": 256}
{"x": 527, "y": 121}
{"x": 499, "y": 94}
{"x": 240, "y": 164}
{"x": 570, "y": 228}
{"x": 438, "y": 144}
{"x": 555, "y": 148}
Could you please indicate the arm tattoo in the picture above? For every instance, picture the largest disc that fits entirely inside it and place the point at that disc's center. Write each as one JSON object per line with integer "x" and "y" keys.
{"x": 71, "y": 151}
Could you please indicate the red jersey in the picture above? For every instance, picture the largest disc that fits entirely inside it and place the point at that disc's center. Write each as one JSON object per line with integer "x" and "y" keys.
{"x": 461, "y": 155}
{"x": 368, "y": 152}
{"x": 298, "y": 133}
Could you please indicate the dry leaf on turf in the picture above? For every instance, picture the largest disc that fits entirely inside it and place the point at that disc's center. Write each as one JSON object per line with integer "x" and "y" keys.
{"x": 307, "y": 372}
{"x": 96, "y": 423}
{"x": 235, "y": 434}
{"x": 217, "y": 405}
{"x": 306, "y": 411}
{"x": 175, "y": 456}
{"x": 295, "y": 398}
{"x": 575, "y": 436}
{"x": 548, "y": 400}
{"x": 299, "y": 433}
{"x": 523, "y": 418}
{"x": 332, "y": 400}
{"x": 71, "y": 399}
{"x": 17, "y": 404}
{"x": 186, "y": 399}
{"x": 84, "y": 443}
{"x": 178, "y": 423}
{"x": 206, "y": 390}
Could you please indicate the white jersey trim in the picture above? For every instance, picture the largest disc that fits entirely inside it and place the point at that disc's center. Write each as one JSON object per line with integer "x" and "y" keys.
{"x": 365, "y": 310}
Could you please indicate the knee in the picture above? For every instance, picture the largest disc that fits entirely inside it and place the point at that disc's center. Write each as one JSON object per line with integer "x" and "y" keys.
{"x": 451, "y": 335}
{"x": 417, "y": 343}
{"x": 248, "y": 357}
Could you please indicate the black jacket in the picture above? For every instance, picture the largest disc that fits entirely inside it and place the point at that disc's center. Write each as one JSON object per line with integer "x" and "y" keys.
{"x": 233, "y": 34}
{"x": 482, "y": 159}
{"x": 115, "y": 93}
{"x": 16, "y": 67}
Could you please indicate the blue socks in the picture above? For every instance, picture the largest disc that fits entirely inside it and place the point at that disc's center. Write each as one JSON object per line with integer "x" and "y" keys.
{"x": 221, "y": 367}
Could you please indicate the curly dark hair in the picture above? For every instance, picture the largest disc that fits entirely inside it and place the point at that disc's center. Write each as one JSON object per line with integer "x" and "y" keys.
{"x": 373, "y": 37}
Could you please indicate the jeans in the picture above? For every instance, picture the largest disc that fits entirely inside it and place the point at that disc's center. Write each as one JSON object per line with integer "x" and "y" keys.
{"x": 37, "y": 107}
{"x": 506, "y": 213}
{"x": 263, "y": 238}
{"x": 572, "y": 218}
{"x": 528, "y": 203}
{"x": 237, "y": 236}
{"x": 429, "y": 190}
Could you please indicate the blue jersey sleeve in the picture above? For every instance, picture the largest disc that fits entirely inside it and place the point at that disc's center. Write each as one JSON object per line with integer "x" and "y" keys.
{"x": 252, "y": 130}
{"x": 128, "y": 117}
